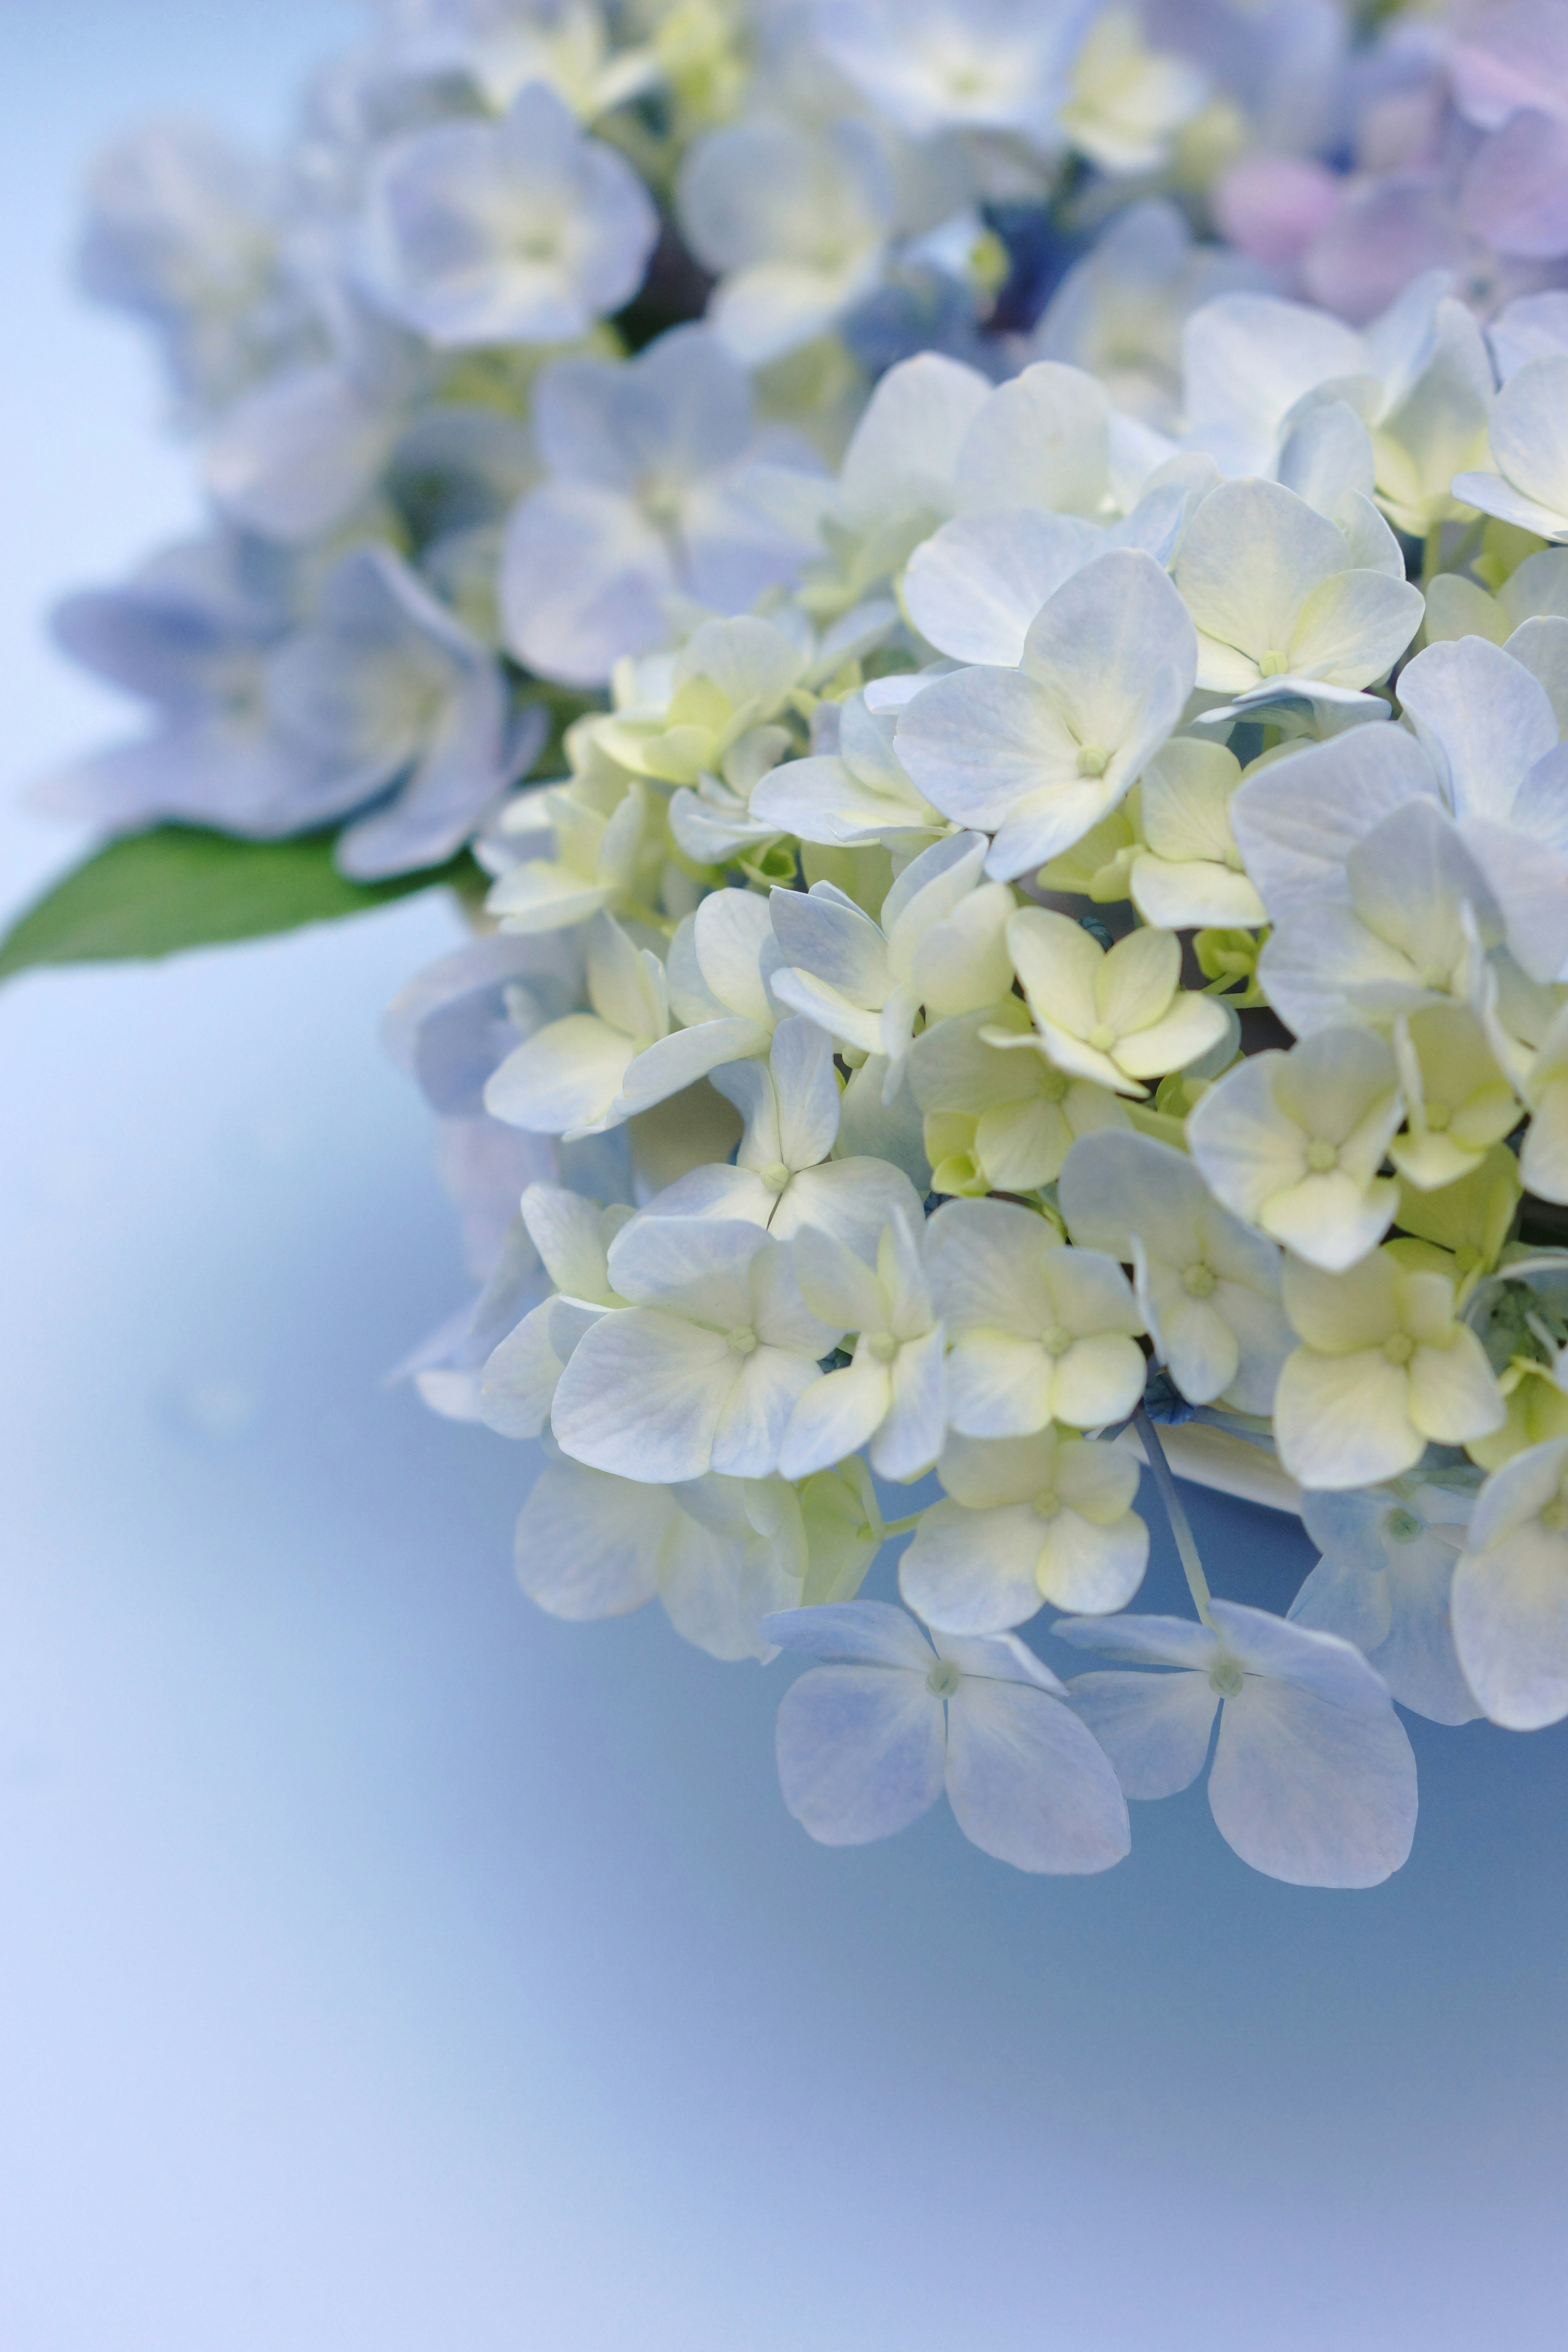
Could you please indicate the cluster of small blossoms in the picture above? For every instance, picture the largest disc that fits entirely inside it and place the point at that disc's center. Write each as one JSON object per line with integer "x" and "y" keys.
{"x": 1045, "y": 918}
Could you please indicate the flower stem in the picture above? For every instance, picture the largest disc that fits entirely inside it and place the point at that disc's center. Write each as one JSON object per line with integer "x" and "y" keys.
{"x": 902, "y": 1527}
{"x": 1181, "y": 1526}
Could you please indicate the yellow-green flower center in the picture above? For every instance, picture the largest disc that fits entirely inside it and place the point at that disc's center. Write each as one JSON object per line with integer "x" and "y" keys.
{"x": 1200, "y": 1282}
{"x": 1398, "y": 1347}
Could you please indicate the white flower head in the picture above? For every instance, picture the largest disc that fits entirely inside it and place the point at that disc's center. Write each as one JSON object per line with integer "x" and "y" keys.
{"x": 1385, "y": 1369}
{"x": 1313, "y": 1780}
{"x": 868, "y": 1739}
{"x": 1038, "y": 754}
{"x": 703, "y": 1370}
{"x": 892, "y": 1397}
{"x": 1114, "y": 1015}
{"x": 1511, "y": 1591}
{"x": 1040, "y": 1332}
{"x": 1028, "y": 1519}
{"x": 1293, "y": 1143}
{"x": 1208, "y": 1289}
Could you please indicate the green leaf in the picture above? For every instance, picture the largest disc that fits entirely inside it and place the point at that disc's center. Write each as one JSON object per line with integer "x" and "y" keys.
{"x": 177, "y": 887}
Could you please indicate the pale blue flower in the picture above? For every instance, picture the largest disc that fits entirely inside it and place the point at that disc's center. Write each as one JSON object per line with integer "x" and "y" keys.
{"x": 400, "y": 706}
{"x": 519, "y": 231}
{"x": 183, "y": 232}
{"x": 659, "y": 487}
{"x": 870, "y": 1737}
{"x": 1385, "y": 1582}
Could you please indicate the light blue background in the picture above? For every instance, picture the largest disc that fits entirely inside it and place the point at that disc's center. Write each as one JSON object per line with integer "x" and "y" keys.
{"x": 384, "y": 1968}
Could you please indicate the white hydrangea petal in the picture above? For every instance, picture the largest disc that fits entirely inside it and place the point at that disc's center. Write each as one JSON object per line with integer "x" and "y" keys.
{"x": 1193, "y": 1028}
{"x": 590, "y": 1545}
{"x": 1528, "y": 440}
{"x": 755, "y": 1413}
{"x": 1251, "y": 553}
{"x": 1098, "y": 1381}
{"x": 565, "y": 1079}
{"x": 1297, "y": 820}
{"x": 698, "y": 1266}
{"x": 981, "y": 740}
{"x": 1511, "y": 1625}
{"x": 1202, "y": 1352}
{"x": 1152, "y": 1640}
{"x": 837, "y": 1284}
{"x": 644, "y": 1395}
{"x": 1101, "y": 637}
{"x": 1246, "y": 360}
{"x": 989, "y": 1265}
{"x": 718, "y": 1591}
{"x": 1058, "y": 965}
{"x": 715, "y": 1192}
{"x": 1192, "y": 894}
{"x": 1041, "y": 440}
{"x": 970, "y": 1571}
{"x": 1030, "y": 1784}
{"x": 1454, "y": 1393}
{"x": 1263, "y": 1337}
{"x": 824, "y": 935}
{"x": 1000, "y": 1385}
{"x": 731, "y": 932}
{"x": 854, "y": 1632}
{"x": 572, "y": 1237}
{"x": 1092, "y": 1569}
{"x": 519, "y": 1377}
{"x": 1483, "y": 718}
{"x": 911, "y": 1437}
{"x": 851, "y": 1199}
{"x": 972, "y": 590}
{"x": 903, "y": 454}
{"x": 834, "y": 1418}
{"x": 1308, "y": 1791}
{"x": 802, "y": 1063}
{"x": 1153, "y": 1726}
{"x": 1343, "y": 1421}
{"x": 862, "y": 1752}
{"x": 675, "y": 1063}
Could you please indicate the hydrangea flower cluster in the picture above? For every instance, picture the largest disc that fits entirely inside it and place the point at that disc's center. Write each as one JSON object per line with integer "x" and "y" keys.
{"x": 984, "y": 593}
